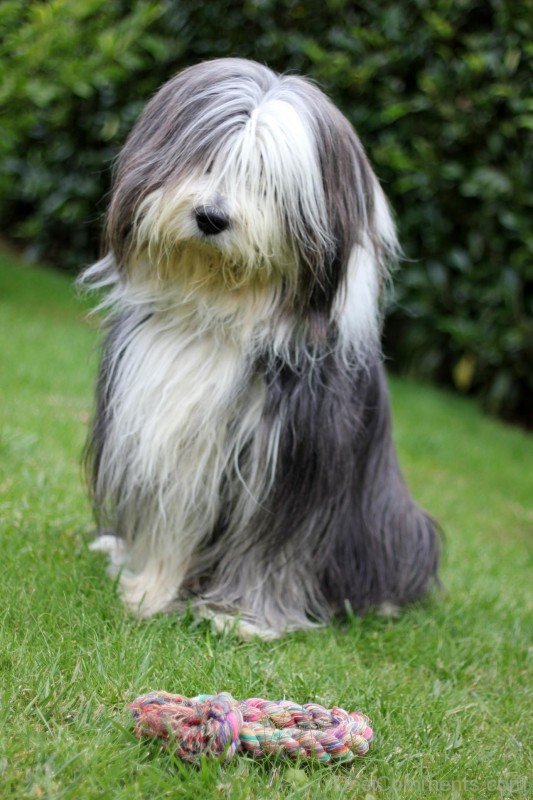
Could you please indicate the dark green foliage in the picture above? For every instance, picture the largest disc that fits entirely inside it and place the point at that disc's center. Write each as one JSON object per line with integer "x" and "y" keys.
{"x": 438, "y": 90}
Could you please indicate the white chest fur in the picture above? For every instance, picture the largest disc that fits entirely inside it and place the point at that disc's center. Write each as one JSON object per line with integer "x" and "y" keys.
{"x": 183, "y": 405}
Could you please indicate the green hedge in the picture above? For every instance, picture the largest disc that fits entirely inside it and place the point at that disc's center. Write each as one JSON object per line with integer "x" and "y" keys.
{"x": 436, "y": 88}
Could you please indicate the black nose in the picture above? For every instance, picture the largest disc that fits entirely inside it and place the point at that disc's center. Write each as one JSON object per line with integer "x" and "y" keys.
{"x": 211, "y": 220}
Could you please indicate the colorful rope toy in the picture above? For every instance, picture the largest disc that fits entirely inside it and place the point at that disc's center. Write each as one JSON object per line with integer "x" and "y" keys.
{"x": 218, "y": 725}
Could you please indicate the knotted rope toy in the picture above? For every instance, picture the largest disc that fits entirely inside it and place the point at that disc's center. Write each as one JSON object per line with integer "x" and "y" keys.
{"x": 219, "y": 726}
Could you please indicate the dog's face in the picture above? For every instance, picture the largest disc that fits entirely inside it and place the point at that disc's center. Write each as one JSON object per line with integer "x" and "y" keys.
{"x": 235, "y": 176}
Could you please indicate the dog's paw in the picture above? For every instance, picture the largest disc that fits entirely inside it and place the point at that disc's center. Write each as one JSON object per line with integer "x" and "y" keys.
{"x": 147, "y": 593}
{"x": 389, "y": 610}
{"x": 114, "y": 548}
{"x": 144, "y": 593}
{"x": 225, "y": 624}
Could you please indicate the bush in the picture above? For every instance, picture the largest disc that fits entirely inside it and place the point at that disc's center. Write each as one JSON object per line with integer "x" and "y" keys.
{"x": 436, "y": 88}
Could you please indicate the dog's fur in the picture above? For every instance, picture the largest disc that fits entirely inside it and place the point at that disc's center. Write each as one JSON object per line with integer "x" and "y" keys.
{"x": 241, "y": 451}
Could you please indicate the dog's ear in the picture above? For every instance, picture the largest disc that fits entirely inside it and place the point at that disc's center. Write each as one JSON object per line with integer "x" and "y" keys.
{"x": 349, "y": 187}
{"x": 357, "y": 212}
{"x": 153, "y": 154}
{"x": 148, "y": 159}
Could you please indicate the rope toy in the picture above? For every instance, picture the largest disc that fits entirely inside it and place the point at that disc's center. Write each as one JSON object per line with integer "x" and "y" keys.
{"x": 218, "y": 725}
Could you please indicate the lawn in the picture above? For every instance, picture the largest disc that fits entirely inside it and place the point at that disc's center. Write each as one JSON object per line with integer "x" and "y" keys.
{"x": 446, "y": 684}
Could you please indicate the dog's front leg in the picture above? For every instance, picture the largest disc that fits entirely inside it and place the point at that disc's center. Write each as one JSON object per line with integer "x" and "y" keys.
{"x": 148, "y": 589}
{"x": 152, "y": 557}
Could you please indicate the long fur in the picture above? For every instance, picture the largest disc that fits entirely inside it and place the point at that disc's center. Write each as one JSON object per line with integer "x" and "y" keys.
{"x": 241, "y": 449}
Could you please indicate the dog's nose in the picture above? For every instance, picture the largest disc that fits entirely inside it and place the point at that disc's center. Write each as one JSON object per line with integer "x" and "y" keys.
{"x": 211, "y": 220}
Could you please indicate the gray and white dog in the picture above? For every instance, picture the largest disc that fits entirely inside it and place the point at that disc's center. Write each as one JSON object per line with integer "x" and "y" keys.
{"x": 241, "y": 452}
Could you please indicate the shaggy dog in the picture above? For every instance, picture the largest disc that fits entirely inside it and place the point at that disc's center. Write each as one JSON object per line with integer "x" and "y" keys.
{"x": 241, "y": 455}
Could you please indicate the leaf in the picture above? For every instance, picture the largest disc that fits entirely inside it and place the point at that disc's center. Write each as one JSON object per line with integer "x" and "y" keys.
{"x": 463, "y": 372}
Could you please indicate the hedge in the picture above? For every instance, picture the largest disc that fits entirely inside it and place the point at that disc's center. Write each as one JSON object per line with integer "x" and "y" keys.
{"x": 437, "y": 89}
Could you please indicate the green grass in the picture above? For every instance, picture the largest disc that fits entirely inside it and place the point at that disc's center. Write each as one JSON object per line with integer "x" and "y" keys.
{"x": 446, "y": 684}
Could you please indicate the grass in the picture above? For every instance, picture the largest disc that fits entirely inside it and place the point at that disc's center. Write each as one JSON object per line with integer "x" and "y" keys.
{"x": 446, "y": 684}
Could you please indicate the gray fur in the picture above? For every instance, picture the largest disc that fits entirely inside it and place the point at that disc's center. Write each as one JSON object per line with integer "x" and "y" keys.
{"x": 297, "y": 509}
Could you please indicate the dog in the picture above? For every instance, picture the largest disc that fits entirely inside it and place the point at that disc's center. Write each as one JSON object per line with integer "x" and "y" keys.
{"x": 241, "y": 461}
